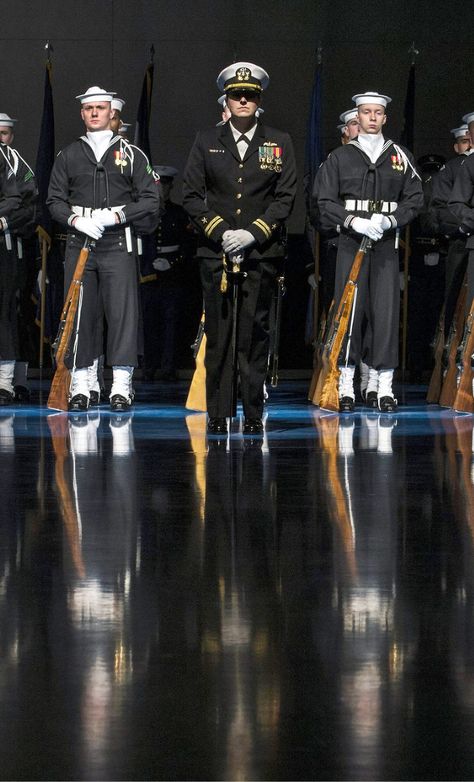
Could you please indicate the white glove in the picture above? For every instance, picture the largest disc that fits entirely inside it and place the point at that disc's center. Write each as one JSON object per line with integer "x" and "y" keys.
{"x": 381, "y": 221}
{"x": 431, "y": 259}
{"x": 40, "y": 278}
{"x": 239, "y": 240}
{"x": 312, "y": 282}
{"x": 161, "y": 264}
{"x": 365, "y": 227}
{"x": 88, "y": 226}
{"x": 104, "y": 217}
{"x": 236, "y": 257}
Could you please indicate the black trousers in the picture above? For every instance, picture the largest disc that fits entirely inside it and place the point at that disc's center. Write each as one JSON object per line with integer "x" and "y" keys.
{"x": 254, "y": 303}
{"x": 8, "y": 323}
{"x": 378, "y": 300}
{"x": 110, "y": 283}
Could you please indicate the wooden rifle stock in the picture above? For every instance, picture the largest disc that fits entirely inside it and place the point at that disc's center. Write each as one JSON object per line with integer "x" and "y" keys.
{"x": 324, "y": 324}
{"x": 196, "y": 399}
{"x": 329, "y": 375}
{"x": 448, "y": 390}
{"x": 59, "y": 392}
{"x": 434, "y": 388}
{"x": 464, "y": 401}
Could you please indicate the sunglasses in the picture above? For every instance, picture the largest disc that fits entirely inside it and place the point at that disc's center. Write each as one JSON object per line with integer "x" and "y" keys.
{"x": 249, "y": 95}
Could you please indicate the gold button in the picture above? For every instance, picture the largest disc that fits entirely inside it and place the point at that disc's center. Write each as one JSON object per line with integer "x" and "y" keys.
{"x": 239, "y": 179}
{"x": 238, "y": 211}
{"x": 239, "y": 195}
{"x": 241, "y": 165}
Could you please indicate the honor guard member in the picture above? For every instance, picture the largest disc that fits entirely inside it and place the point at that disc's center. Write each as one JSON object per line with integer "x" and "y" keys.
{"x": 448, "y": 223}
{"x": 239, "y": 189}
{"x": 101, "y": 189}
{"x": 16, "y": 225}
{"x": 117, "y": 105}
{"x": 350, "y": 125}
{"x": 370, "y": 187}
{"x": 163, "y": 278}
{"x": 461, "y": 204}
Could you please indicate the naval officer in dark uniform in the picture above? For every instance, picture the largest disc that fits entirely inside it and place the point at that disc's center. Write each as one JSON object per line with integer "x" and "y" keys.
{"x": 370, "y": 187}
{"x": 239, "y": 189}
{"x": 103, "y": 188}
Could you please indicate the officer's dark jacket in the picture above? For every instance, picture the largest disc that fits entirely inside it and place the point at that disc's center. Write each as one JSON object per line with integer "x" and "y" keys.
{"x": 223, "y": 192}
{"x": 123, "y": 177}
{"x": 348, "y": 174}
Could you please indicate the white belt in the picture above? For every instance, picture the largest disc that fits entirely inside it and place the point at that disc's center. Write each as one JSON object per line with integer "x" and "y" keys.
{"x": 171, "y": 248}
{"x": 369, "y": 205}
{"x": 86, "y": 211}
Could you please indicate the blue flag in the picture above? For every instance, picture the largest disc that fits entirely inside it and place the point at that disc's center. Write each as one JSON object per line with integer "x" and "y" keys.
{"x": 407, "y": 137}
{"x": 141, "y": 138}
{"x": 314, "y": 150}
{"x": 45, "y": 157}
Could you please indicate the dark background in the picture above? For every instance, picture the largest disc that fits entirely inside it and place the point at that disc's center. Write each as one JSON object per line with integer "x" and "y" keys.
{"x": 365, "y": 46}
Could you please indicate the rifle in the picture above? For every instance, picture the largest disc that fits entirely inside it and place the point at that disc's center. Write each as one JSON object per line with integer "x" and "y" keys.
{"x": 281, "y": 290}
{"x": 434, "y": 388}
{"x": 329, "y": 376}
{"x": 448, "y": 390}
{"x": 59, "y": 392}
{"x": 197, "y": 391}
{"x": 324, "y": 324}
{"x": 464, "y": 400}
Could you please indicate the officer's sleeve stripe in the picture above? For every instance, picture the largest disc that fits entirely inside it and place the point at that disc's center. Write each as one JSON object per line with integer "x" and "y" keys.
{"x": 213, "y": 224}
{"x": 263, "y": 227}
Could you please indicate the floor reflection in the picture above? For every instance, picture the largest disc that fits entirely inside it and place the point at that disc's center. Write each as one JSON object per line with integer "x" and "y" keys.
{"x": 175, "y": 606}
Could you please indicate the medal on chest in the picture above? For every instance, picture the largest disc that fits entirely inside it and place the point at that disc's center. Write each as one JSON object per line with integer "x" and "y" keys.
{"x": 270, "y": 157}
{"x": 120, "y": 159}
{"x": 397, "y": 162}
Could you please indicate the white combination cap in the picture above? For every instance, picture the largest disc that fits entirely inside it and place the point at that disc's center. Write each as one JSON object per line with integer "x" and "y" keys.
{"x": 96, "y": 93}
{"x": 463, "y": 130}
{"x": 6, "y": 121}
{"x": 245, "y": 75}
{"x": 346, "y": 116}
{"x": 371, "y": 97}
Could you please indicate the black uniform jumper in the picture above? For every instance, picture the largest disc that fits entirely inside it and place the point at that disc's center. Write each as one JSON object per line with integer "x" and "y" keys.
{"x": 461, "y": 203}
{"x": 221, "y": 192}
{"x": 122, "y": 178}
{"x": 350, "y": 185}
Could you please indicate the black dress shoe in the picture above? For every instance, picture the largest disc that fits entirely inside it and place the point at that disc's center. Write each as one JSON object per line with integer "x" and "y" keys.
{"x": 387, "y": 404}
{"x": 94, "y": 398}
{"x": 22, "y": 394}
{"x": 78, "y": 403}
{"x": 253, "y": 426}
{"x": 119, "y": 403}
{"x": 5, "y": 397}
{"x": 346, "y": 404}
{"x": 217, "y": 426}
{"x": 372, "y": 401}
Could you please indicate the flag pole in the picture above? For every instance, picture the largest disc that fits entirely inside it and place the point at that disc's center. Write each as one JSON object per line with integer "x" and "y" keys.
{"x": 408, "y": 139}
{"x": 44, "y": 250}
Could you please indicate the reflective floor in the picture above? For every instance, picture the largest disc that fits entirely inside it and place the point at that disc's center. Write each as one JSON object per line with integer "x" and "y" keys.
{"x": 177, "y": 607}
